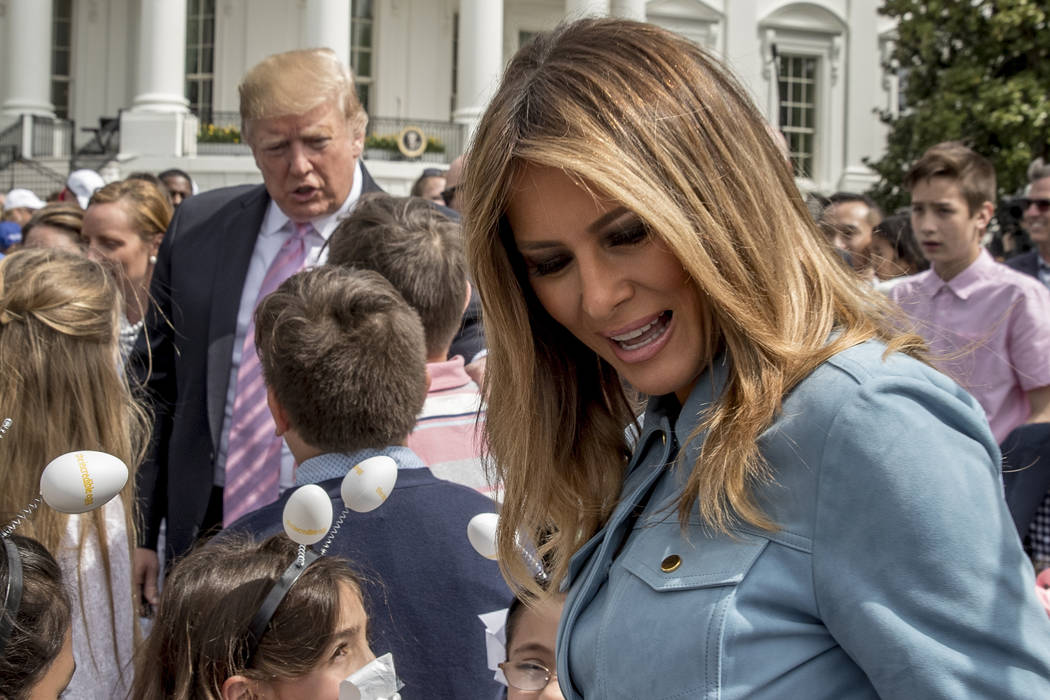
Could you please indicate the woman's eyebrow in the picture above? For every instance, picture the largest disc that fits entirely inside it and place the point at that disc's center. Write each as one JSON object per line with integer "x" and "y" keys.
{"x": 607, "y": 218}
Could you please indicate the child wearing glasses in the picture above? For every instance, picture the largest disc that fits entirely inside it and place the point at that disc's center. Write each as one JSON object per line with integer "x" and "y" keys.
{"x": 530, "y": 668}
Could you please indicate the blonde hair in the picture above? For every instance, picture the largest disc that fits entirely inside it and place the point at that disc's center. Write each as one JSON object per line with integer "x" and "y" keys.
{"x": 296, "y": 82}
{"x": 646, "y": 117}
{"x": 61, "y": 385}
{"x": 148, "y": 207}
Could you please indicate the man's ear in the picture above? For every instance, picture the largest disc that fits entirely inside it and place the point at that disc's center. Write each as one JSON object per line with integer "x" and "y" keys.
{"x": 466, "y": 302}
{"x": 430, "y": 379}
{"x": 280, "y": 416}
{"x": 238, "y": 688}
{"x": 984, "y": 215}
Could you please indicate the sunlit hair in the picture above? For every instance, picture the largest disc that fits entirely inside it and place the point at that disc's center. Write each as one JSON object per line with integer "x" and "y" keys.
{"x": 148, "y": 206}
{"x": 649, "y": 119}
{"x": 200, "y": 634}
{"x": 344, "y": 355}
{"x": 972, "y": 172}
{"x": 68, "y": 218}
{"x": 63, "y": 388}
{"x": 41, "y": 623}
{"x": 419, "y": 250}
{"x": 296, "y": 82}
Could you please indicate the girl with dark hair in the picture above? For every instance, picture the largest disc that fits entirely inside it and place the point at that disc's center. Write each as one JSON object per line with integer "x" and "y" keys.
{"x": 200, "y": 646}
{"x": 36, "y": 655}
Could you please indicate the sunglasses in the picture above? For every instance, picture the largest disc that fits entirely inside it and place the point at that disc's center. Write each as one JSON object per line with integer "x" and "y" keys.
{"x": 449, "y": 194}
{"x": 1043, "y": 205}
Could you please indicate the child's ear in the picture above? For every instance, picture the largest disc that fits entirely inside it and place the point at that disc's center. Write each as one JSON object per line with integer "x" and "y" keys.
{"x": 280, "y": 417}
{"x": 237, "y": 688}
{"x": 466, "y": 302}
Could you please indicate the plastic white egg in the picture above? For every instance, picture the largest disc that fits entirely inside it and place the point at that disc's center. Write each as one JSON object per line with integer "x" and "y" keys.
{"x": 481, "y": 531}
{"x": 369, "y": 483}
{"x": 308, "y": 514}
{"x": 77, "y": 482}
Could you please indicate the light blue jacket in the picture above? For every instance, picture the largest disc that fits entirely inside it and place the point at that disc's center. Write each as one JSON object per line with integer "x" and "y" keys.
{"x": 896, "y": 571}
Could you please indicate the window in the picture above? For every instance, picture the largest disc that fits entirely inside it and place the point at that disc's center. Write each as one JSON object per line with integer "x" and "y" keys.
{"x": 61, "y": 50}
{"x": 200, "y": 57}
{"x": 797, "y": 80}
{"x": 361, "y": 50}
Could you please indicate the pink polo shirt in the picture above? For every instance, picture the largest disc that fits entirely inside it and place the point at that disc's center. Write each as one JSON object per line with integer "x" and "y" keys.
{"x": 989, "y": 329}
{"x": 448, "y": 429}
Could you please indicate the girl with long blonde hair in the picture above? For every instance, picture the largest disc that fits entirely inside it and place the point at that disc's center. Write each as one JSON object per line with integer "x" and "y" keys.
{"x": 62, "y": 386}
{"x": 806, "y": 508}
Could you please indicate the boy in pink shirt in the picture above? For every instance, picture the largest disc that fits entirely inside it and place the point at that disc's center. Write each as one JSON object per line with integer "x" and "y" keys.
{"x": 987, "y": 325}
{"x": 420, "y": 251}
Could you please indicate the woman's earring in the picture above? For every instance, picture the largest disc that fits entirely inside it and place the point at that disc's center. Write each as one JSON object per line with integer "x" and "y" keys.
{"x": 153, "y": 260}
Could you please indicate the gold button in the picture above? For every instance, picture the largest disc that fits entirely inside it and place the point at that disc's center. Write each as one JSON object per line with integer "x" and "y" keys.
{"x": 670, "y": 563}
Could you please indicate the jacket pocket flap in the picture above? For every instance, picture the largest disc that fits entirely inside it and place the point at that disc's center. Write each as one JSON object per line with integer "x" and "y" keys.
{"x": 682, "y": 565}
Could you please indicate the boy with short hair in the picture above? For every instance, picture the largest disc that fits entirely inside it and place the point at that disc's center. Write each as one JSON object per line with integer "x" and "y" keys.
{"x": 990, "y": 322}
{"x": 420, "y": 251}
{"x": 343, "y": 358}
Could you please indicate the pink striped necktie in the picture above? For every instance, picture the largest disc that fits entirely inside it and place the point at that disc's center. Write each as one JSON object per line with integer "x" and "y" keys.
{"x": 253, "y": 459}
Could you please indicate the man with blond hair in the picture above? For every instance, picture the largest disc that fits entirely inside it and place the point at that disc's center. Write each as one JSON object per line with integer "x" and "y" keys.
{"x": 214, "y": 455}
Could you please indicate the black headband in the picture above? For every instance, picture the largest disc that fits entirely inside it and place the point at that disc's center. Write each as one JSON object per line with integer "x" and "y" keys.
{"x": 13, "y": 595}
{"x": 273, "y": 599}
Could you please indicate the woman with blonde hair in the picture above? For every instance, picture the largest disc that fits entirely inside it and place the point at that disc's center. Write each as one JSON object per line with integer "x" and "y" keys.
{"x": 61, "y": 384}
{"x": 123, "y": 226}
{"x": 806, "y": 508}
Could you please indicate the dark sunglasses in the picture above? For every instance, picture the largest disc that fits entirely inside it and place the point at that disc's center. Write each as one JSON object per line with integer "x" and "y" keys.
{"x": 433, "y": 172}
{"x": 449, "y": 194}
{"x": 1043, "y": 205}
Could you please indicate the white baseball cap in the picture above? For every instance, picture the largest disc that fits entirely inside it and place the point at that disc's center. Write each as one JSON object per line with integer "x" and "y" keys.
{"x": 22, "y": 198}
{"x": 83, "y": 184}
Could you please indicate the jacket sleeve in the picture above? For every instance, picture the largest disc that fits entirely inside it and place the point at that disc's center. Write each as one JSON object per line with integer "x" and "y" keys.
{"x": 918, "y": 570}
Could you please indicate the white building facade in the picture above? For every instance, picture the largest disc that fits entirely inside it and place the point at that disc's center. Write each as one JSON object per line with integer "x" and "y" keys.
{"x": 133, "y": 85}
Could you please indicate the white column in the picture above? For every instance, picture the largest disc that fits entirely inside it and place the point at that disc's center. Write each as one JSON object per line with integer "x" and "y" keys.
{"x": 628, "y": 9}
{"x": 159, "y": 123}
{"x": 28, "y": 57}
{"x": 161, "y": 57}
{"x": 326, "y": 23}
{"x": 575, "y": 9}
{"x": 480, "y": 58}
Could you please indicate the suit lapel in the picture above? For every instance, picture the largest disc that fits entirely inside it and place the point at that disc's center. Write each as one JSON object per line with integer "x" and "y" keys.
{"x": 239, "y": 229}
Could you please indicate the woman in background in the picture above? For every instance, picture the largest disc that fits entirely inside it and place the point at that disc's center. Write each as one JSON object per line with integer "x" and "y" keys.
{"x": 123, "y": 227}
{"x": 894, "y": 252}
{"x": 56, "y": 226}
{"x": 61, "y": 384}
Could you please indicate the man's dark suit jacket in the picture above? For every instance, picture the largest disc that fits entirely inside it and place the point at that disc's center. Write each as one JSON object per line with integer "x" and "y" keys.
{"x": 1028, "y": 263}
{"x": 424, "y": 584}
{"x": 184, "y": 356}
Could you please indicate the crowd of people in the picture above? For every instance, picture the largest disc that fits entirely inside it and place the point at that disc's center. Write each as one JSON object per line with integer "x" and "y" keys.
{"x": 739, "y": 446}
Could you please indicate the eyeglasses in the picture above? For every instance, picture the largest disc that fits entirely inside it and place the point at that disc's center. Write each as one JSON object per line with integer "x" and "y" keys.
{"x": 1043, "y": 205}
{"x": 433, "y": 172}
{"x": 527, "y": 675}
{"x": 449, "y": 194}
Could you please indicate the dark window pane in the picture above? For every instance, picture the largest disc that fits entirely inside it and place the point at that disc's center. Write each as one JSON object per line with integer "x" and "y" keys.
{"x": 361, "y": 35}
{"x": 362, "y": 63}
{"x": 362, "y": 8}
{"x": 208, "y": 31}
{"x": 207, "y": 58}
